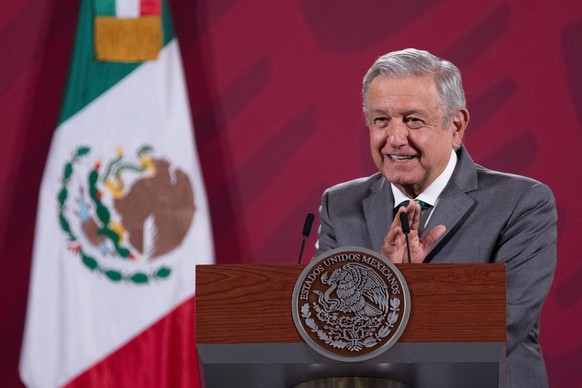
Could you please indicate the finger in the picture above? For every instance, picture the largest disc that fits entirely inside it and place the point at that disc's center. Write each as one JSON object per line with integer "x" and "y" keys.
{"x": 396, "y": 223}
{"x": 394, "y": 234}
{"x": 432, "y": 236}
{"x": 394, "y": 244}
{"x": 396, "y": 220}
{"x": 413, "y": 211}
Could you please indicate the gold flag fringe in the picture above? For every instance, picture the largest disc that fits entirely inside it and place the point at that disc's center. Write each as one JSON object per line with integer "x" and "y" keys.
{"x": 128, "y": 40}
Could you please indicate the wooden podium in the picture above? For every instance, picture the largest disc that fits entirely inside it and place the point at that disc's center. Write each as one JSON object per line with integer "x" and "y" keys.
{"x": 455, "y": 336}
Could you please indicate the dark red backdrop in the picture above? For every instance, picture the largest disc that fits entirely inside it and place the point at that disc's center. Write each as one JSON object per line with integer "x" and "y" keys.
{"x": 274, "y": 88}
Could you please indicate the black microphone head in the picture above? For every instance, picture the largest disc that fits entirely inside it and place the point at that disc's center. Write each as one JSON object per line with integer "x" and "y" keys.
{"x": 404, "y": 222}
{"x": 307, "y": 225}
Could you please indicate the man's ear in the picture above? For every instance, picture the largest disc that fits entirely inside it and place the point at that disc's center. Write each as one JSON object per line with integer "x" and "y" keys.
{"x": 459, "y": 124}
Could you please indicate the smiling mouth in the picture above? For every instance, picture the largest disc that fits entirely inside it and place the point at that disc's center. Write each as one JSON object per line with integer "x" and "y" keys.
{"x": 398, "y": 158}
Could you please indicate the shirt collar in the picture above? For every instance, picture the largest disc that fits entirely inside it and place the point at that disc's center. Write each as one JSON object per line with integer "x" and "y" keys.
{"x": 431, "y": 194}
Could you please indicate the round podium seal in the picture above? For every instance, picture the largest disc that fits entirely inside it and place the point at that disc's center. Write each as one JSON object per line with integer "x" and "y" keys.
{"x": 350, "y": 304}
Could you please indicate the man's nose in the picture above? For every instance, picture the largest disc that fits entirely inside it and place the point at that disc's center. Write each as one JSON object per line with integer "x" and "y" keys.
{"x": 397, "y": 135}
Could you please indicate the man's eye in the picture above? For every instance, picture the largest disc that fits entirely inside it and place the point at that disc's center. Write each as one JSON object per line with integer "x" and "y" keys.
{"x": 381, "y": 121}
{"x": 413, "y": 122}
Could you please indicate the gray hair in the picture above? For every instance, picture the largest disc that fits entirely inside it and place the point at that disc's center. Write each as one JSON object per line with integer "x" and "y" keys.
{"x": 412, "y": 63}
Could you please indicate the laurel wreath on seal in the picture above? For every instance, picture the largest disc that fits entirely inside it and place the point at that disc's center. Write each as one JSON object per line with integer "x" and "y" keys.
{"x": 103, "y": 214}
{"x": 370, "y": 339}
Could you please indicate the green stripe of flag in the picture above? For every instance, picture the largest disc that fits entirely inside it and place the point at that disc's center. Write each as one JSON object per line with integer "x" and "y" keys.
{"x": 88, "y": 78}
{"x": 104, "y": 7}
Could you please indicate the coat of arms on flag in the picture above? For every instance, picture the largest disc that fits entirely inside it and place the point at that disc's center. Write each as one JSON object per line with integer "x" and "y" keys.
{"x": 121, "y": 215}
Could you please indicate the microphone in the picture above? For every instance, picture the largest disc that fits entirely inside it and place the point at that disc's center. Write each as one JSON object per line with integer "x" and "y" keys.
{"x": 405, "y": 230}
{"x": 306, "y": 230}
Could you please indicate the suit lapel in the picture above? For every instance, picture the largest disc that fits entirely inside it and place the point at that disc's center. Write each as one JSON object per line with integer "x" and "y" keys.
{"x": 451, "y": 209}
{"x": 378, "y": 209}
{"x": 454, "y": 203}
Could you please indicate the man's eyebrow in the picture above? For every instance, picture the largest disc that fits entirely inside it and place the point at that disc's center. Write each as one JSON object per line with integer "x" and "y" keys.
{"x": 403, "y": 113}
{"x": 414, "y": 112}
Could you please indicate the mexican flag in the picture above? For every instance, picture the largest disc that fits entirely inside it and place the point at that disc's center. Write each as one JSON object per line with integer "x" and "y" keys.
{"x": 122, "y": 216}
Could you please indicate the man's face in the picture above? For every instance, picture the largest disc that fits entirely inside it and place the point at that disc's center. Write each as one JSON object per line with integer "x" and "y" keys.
{"x": 410, "y": 144}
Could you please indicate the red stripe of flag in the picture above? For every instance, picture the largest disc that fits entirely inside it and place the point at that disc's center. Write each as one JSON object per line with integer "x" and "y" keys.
{"x": 162, "y": 356}
{"x": 150, "y": 7}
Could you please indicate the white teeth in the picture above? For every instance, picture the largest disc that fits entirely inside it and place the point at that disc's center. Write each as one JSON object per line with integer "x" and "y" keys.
{"x": 400, "y": 157}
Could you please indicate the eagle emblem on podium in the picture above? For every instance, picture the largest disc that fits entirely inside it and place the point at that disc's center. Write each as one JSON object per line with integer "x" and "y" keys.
{"x": 350, "y": 304}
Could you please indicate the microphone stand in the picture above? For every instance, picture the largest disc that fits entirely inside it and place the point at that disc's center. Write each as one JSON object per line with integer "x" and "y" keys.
{"x": 306, "y": 230}
{"x": 406, "y": 231}
{"x": 301, "y": 251}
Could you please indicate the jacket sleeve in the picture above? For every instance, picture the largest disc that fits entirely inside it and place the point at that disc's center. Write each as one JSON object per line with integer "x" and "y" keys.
{"x": 527, "y": 245}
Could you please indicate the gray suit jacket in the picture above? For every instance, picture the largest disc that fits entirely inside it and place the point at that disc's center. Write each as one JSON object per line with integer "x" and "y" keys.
{"x": 491, "y": 217}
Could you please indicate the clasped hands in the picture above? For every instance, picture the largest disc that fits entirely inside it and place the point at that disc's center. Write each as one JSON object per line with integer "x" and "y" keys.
{"x": 394, "y": 247}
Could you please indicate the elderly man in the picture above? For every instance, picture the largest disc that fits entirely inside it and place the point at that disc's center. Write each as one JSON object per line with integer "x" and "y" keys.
{"x": 458, "y": 211}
